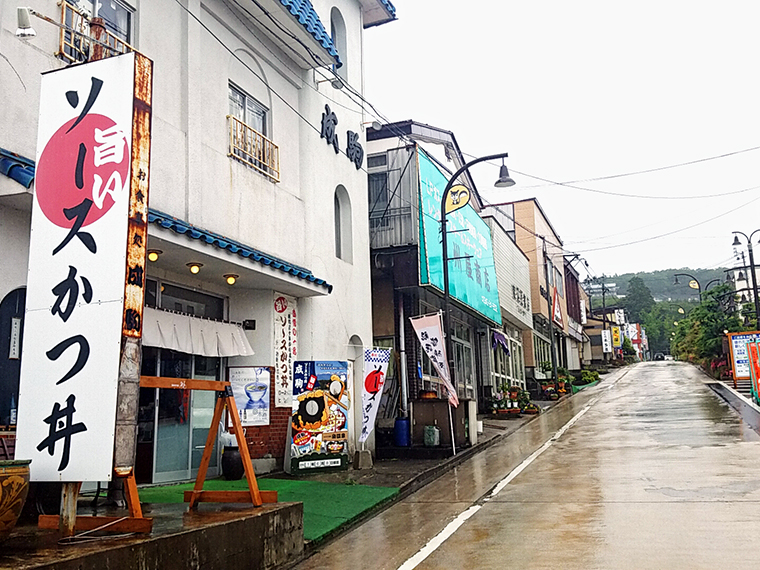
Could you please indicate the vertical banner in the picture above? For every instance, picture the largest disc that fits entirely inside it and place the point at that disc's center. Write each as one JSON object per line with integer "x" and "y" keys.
{"x": 619, "y": 316}
{"x": 754, "y": 367}
{"x": 617, "y": 338}
{"x": 285, "y": 348}
{"x": 321, "y": 401}
{"x": 557, "y": 310}
{"x": 76, "y": 276}
{"x": 429, "y": 329}
{"x": 606, "y": 341}
{"x": 375, "y": 368}
{"x": 251, "y": 386}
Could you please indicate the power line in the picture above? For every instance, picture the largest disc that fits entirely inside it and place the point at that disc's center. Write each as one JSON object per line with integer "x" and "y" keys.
{"x": 657, "y": 169}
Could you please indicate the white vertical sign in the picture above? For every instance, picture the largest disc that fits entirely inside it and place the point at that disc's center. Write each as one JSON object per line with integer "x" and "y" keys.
{"x": 285, "y": 348}
{"x": 583, "y": 311}
{"x": 606, "y": 341}
{"x": 75, "y": 282}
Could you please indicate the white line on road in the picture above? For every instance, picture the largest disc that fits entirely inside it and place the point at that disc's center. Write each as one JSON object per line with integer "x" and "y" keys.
{"x": 454, "y": 525}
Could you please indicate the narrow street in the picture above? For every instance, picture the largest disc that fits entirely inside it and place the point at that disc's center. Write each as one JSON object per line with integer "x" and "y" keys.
{"x": 648, "y": 469}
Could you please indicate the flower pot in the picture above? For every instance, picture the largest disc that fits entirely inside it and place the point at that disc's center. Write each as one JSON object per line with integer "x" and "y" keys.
{"x": 232, "y": 463}
{"x": 14, "y": 486}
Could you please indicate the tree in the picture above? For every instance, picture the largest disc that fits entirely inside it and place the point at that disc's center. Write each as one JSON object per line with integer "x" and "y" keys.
{"x": 638, "y": 300}
{"x": 699, "y": 337}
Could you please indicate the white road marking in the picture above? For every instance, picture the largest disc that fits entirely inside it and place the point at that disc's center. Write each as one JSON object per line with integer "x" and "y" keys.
{"x": 454, "y": 525}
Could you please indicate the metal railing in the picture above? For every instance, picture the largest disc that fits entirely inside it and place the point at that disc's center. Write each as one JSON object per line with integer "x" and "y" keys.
{"x": 254, "y": 149}
{"x": 75, "y": 48}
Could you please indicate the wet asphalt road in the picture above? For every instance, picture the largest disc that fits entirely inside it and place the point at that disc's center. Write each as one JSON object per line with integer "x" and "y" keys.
{"x": 653, "y": 470}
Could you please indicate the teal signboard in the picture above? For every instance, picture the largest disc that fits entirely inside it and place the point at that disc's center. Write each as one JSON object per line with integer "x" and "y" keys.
{"x": 472, "y": 280}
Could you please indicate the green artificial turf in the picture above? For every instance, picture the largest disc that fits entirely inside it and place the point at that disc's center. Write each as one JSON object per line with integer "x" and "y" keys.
{"x": 326, "y": 506}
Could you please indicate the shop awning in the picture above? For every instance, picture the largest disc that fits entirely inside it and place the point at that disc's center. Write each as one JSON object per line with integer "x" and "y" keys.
{"x": 192, "y": 335}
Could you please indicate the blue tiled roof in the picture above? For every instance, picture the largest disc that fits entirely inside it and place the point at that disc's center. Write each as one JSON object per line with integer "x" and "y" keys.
{"x": 304, "y": 12}
{"x": 183, "y": 228}
{"x": 17, "y": 167}
{"x": 390, "y": 7}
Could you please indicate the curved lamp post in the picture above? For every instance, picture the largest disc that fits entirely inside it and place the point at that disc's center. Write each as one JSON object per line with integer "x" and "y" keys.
{"x": 693, "y": 281}
{"x": 504, "y": 181}
{"x": 737, "y": 243}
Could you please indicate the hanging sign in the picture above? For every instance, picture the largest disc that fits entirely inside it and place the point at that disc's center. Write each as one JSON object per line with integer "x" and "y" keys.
{"x": 458, "y": 197}
{"x": 285, "y": 348}
{"x": 375, "y": 368}
{"x": 251, "y": 386}
{"x": 321, "y": 402}
{"x": 77, "y": 264}
{"x": 619, "y": 316}
{"x": 429, "y": 329}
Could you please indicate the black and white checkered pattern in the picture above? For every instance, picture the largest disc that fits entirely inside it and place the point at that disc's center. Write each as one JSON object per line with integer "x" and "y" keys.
{"x": 379, "y": 355}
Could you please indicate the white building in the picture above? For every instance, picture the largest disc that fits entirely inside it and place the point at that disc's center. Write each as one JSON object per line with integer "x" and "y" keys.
{"x": 244, "y": 182}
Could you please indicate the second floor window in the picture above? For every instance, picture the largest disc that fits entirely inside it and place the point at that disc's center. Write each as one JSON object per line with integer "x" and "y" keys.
{"x": 247, "y": 110}
{"x": 249, "y": 142}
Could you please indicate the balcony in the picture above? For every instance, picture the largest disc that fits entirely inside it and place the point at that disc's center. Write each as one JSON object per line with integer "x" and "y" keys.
{"x": 254, "y": 149}
{"x": 74, "y": 48}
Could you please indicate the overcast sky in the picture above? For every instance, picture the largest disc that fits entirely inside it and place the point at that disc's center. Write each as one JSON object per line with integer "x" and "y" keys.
{"x": 577, "y": 91}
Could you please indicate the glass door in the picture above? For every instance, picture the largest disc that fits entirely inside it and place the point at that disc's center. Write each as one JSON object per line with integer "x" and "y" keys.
{"x": 202, "y": 412}
{"x": 173, "y": 421}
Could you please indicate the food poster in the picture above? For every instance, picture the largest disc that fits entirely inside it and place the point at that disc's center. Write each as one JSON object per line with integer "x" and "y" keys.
{"x": 251, "y": 386}
{"x": 319, "y": 423}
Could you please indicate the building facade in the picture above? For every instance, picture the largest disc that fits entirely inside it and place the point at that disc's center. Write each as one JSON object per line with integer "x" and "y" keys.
{"x": 258, "y": 198}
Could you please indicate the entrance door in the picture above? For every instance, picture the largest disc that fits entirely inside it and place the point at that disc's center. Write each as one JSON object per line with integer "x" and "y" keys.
{"x": 174, "y": 424}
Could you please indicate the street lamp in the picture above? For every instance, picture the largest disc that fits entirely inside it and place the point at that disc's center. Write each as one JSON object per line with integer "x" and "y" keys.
{"x": 694, "y": 283}
{"x": 755, "y": 299}
{"x": 504, "y": 181}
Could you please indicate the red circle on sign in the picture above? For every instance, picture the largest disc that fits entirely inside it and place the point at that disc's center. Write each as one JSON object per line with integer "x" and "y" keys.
{"x": 55, "y": 184}
{"x": 281, "y": 304}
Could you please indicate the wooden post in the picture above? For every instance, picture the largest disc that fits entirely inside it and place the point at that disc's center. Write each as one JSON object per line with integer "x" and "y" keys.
{"x": 67, "y": 520}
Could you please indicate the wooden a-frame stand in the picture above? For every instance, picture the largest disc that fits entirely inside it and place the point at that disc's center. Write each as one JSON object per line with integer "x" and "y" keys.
{"x": 64, "y": 522}
{"x": 224, "y": 399}
{"x": 67, "y": 522}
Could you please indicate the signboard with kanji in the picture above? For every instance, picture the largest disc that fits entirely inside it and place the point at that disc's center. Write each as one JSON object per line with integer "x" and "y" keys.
{"x": 77, "y": 268}
{"x": 285, "y": 348}
{"x": 739, "y": 354}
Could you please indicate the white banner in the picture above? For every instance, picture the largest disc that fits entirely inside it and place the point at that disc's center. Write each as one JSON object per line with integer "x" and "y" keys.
{"x": 77, "y": 267}
{"x": 606, "y": 341}
{"x": 285, "y": 348}
{"x": 619, "y": 316}
{"x": 375, "y": 368}
{"x": 429, "y": 329}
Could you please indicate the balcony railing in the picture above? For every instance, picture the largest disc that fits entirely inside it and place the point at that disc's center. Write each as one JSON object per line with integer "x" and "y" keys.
{"x": 75, "y": 48}
{"x": 254, "y": 149}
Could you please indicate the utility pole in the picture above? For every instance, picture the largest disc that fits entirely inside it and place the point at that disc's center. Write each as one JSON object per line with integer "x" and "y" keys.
{"x": 551, "y": 311}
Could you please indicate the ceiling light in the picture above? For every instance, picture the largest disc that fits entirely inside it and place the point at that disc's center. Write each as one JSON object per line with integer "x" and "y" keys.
{"x": 153, "y": 254}
{"x": 231, "y": 278}
{"x": 195, "y": 267}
